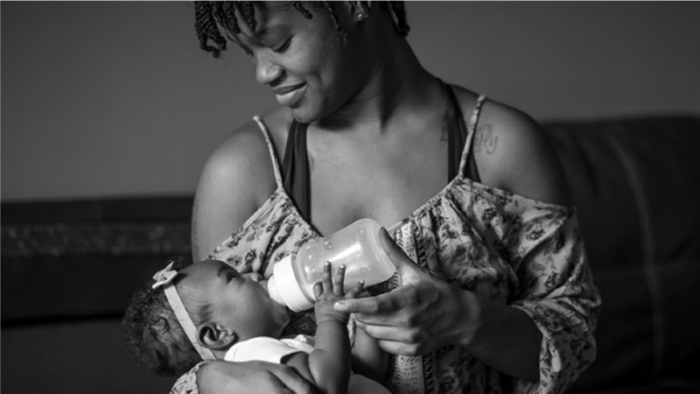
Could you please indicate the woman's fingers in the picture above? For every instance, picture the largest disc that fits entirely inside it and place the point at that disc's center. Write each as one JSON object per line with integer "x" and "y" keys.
{"x": 395, "y": 340}
{"x": 291, "y": 382}
{"x": 401, "y": 348}
{"x": 409, "y": 272}
{"x": 391, "y": 333}
{"x": 382, "y": 303}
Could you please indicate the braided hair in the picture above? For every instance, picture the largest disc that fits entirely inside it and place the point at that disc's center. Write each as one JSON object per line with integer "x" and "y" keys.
{"x": 212, "y": 16}
{"x": 154, "y": 334}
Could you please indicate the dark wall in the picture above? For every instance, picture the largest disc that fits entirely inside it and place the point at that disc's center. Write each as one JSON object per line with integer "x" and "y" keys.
{"x": 116, "y": 98}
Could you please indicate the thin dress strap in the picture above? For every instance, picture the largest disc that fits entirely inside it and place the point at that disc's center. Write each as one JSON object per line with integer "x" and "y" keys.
{"x": 271, "y": 147}
{"x": 456, "y": 131}
{"x": 471, "y": 130}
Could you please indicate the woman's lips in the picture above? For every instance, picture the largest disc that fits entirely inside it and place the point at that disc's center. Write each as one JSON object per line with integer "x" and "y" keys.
{"x": 288, "y": 96}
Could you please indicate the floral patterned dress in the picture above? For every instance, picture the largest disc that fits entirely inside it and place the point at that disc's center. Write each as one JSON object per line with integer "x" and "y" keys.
{"x": 517, "y": 251}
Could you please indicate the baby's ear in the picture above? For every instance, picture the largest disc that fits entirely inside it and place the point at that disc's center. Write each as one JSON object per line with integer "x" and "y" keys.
{"x": 214, "y": 337}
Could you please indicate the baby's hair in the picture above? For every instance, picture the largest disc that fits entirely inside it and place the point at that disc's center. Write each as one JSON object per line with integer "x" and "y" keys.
{"x": 154, "y": 334}
{"x": 209, "y": 15}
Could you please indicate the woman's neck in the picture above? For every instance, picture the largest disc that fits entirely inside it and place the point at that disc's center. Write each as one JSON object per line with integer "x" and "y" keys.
{"x": 396, "y": 85}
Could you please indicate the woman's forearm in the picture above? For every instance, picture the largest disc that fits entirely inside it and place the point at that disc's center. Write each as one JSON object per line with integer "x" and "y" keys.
{"x": 252, "y": 376}
{"x": 506, "y": 339}
{"x": 211, "y": 377}
{"x": 368, "y": 358}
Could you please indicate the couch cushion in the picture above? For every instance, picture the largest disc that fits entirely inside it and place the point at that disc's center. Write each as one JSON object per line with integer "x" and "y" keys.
{"x": 85, "y": 357}
{"x": 635, "y": 183}
{"x": 69, "y": 268}
{"x": 81, "y": 259}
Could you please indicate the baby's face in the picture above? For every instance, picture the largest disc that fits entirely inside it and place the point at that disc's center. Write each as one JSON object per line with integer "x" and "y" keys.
{"x": 238, "y": 302}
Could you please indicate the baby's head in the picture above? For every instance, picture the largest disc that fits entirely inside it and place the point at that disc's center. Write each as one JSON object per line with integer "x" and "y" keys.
{"x": 198, "y": 311}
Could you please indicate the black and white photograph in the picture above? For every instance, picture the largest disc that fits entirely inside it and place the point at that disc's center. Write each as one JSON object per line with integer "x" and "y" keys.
{"x": 361, "y": 197}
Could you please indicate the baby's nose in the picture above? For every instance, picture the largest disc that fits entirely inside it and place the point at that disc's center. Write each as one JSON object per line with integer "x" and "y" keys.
{"x": 254, "y": 276}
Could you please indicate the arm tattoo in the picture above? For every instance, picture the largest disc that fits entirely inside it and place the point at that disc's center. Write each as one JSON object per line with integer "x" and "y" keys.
{"x": 485, "y": 140}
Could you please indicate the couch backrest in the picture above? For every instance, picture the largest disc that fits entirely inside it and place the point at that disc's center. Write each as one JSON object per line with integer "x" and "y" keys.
{"x": 125, "y": 239}
{"x": 636, "y": 184}
{"x": 68, "y": 270}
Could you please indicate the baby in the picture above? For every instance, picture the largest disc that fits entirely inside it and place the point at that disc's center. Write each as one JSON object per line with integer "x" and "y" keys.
{"x": 208, "y": 311}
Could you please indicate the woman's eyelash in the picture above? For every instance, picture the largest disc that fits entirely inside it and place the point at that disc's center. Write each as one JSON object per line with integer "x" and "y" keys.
{"x": 284, "y": 45}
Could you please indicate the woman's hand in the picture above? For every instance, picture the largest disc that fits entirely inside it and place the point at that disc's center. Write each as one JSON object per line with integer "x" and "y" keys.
{"x": 422, "y": 315}
{"x": 251, "y": 377}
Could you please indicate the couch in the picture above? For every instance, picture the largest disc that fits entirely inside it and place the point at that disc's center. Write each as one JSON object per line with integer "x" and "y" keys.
{"x": 68, "y": 267}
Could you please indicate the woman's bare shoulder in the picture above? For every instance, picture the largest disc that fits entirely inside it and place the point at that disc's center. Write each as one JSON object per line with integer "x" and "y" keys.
{"x": 512, "y": 152}
{"x": 243, "y": 154}
{"x": 244, "y": 159}
{"x": 238, "y": 177}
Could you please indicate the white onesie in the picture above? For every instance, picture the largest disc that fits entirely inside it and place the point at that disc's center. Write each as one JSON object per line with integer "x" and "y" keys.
{"x": 274, "y": 350}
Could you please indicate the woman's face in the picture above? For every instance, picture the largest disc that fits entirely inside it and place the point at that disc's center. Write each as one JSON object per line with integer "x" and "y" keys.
{"x": 304, "y": 61}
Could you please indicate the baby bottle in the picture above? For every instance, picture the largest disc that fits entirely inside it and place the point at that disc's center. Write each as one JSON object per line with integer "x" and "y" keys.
{"x": 355, "y": 246}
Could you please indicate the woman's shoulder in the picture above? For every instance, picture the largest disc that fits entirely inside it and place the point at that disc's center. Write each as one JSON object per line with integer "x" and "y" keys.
{"x": 245, "y": 154}
{"x": 237, "y": 179}
{"x": 248, "y": 144}
{"x": 495, "y": 113}
{"x": 512, "y": 152}
{"x": 241, "y": 150}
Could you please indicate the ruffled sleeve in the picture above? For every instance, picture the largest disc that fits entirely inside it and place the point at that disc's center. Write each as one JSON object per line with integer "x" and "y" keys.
{"x": 556, "y": 290}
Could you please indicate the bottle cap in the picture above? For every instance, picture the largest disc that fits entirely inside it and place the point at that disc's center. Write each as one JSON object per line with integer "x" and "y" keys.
{"x": 273, "y": 291}
{"x": 283, "y": 287}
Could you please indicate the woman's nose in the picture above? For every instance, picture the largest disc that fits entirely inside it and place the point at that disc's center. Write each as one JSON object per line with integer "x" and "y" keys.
{"x": 266, "y": 71}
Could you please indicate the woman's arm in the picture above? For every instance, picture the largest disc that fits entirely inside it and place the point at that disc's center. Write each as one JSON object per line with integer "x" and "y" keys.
{"x": 237, "y": 178}
{"x": 426, "y": 313}
{"x": 368, "y": 358}
{"x": 513, "y": 154}
{"x": 250, "y": 377}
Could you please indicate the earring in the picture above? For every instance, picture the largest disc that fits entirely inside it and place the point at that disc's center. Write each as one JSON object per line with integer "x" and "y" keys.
{"x": 361, "y": 11}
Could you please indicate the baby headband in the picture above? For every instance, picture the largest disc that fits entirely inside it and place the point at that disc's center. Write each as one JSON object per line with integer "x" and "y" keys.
{"x": 164, "y": 278}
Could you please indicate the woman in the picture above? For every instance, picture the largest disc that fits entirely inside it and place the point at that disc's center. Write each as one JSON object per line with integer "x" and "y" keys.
{"x": 495, "y": 293}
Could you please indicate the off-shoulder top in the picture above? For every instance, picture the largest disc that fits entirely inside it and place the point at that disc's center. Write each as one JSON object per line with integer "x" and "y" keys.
{"x": 525, "y": 253}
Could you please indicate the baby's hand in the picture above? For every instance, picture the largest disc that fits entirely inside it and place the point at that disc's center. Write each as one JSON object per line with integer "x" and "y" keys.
{"x": 329, "y": 292}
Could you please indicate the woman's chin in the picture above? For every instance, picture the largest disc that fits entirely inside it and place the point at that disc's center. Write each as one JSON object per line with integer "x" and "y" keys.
{"x": 301, "y": 116}
{"x": 306, "y": 112}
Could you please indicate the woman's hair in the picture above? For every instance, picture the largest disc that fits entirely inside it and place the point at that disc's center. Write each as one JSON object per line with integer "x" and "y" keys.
{"x": 154, "y": 334}
{"x": 211, "y": 15}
